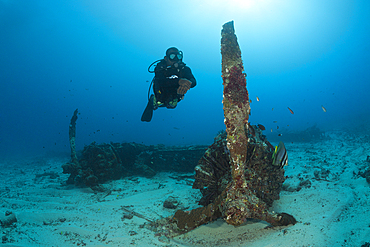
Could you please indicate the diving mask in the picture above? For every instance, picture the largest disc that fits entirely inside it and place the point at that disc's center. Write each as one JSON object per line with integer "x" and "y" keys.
{"x": 176, "y": 56}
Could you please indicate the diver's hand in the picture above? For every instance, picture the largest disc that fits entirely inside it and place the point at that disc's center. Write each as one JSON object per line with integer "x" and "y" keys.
{"x": 184, "y": 86}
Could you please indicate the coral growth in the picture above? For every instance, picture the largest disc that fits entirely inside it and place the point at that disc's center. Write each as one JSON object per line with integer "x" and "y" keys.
{"x": 241, "y": 201}
{"x": 236, "y": 175}
{"x": 212, "y": 174}
{"x": 99, "y": 164}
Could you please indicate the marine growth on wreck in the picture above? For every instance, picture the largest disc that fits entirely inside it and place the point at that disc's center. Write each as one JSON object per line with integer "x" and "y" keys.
{"x": 236, "y": 175}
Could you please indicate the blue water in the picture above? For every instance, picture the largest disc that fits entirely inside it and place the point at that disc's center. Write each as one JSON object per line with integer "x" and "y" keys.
{"x": 57, "y": 56}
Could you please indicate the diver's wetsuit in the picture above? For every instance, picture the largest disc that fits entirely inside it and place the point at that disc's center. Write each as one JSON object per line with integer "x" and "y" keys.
{"x": 166, "y": 81}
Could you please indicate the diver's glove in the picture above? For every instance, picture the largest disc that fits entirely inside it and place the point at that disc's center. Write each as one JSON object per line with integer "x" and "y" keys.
{"x": 184, "y": 86}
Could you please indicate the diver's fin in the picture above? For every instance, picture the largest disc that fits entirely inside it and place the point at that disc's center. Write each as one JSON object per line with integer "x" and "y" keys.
{"x": 148, "y": 112}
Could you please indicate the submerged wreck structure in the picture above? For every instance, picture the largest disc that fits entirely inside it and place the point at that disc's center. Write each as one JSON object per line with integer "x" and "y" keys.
{"x": 236, "y": 175}
{"x": 100, "y": 163}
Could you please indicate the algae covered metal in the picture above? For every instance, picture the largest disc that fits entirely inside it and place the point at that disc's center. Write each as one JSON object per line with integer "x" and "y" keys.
{"x": 241, "y": 201}
{"x": 236, "y": 175}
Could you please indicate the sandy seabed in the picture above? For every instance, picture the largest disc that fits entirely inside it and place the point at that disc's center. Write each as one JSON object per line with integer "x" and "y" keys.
{"x": 324, "y": 192}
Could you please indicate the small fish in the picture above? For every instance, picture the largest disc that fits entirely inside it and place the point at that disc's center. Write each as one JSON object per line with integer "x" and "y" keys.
{"x": 277, "y": 127}
{"x": 274, "y": 121}
{"x": 323, "y": 108}
{"x": 258, "y": 99}
{"x": 280, "y": 134}
{"x": 271, "y": 130}
{"x": 251, "y": 130}
{"x": 272, "y": 109}
{"x": 291, "y": 111}
{"x": 280, "y": 156}
{"x": 261, "y": 126}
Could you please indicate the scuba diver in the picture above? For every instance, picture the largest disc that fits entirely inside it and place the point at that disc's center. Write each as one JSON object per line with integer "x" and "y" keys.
{"x": 171, "y": 82}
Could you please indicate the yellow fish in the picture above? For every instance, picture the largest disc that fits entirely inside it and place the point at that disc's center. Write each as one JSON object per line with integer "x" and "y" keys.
{"x": 323, "y": 108}
{"x": 258, "y": 99}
